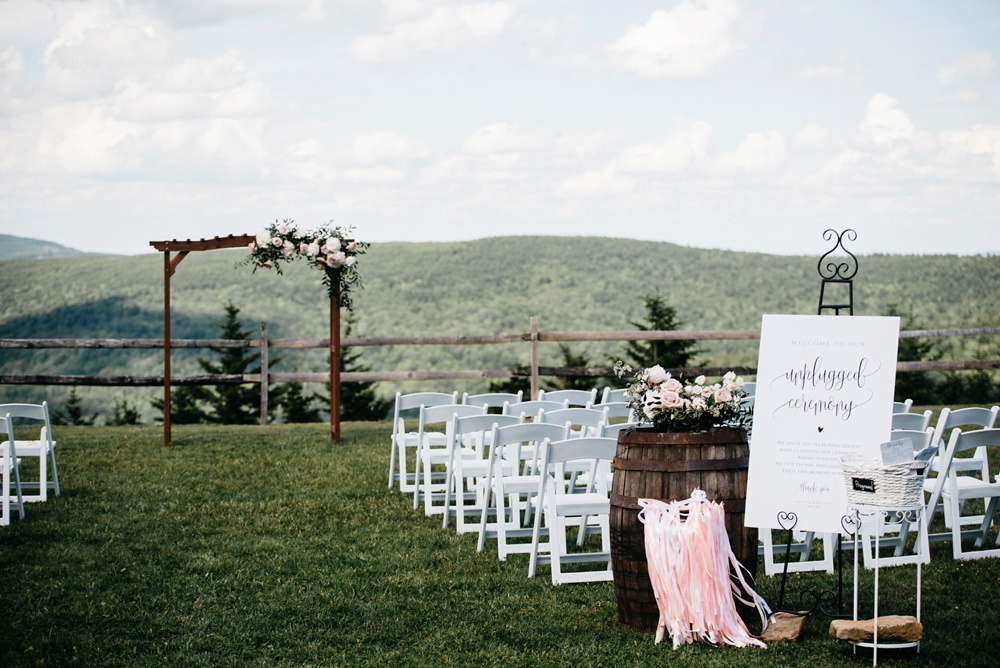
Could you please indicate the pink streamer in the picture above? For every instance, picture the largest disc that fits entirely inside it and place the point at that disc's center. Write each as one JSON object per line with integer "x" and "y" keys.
{"x": 689, "y": 558}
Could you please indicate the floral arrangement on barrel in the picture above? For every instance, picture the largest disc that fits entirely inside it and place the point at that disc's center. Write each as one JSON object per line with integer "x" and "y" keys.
{"x": 673, "y": 405}
{"x": 329, "y": 249}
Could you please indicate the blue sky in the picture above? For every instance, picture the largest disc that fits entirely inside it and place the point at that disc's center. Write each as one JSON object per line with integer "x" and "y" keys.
{"x": 731, "y": 124}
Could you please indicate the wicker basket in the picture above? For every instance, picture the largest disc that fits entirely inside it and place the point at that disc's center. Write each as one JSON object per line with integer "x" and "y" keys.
{"x": 870, "y": 483}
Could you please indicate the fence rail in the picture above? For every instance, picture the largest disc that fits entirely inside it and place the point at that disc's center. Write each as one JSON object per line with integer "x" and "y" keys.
{"x": 533, "y": 371}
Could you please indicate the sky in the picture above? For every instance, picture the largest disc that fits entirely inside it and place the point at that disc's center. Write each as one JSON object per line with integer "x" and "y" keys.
{"x": 750, "y": 125}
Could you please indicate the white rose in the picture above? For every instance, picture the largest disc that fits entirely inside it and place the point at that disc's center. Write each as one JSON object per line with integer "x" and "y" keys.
{"x": 349, "y": 262}
{"x": 313, "y": 249}
{"x": 332, "y": 245}
{"x": 656, "y": 375}
{"x": 263, "y": 238}
{"x": 700, "y": 380}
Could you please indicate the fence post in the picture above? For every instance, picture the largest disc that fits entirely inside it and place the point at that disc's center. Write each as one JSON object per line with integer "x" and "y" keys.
{"x": 534, "y": 357}
{"x": 263, "y": 374}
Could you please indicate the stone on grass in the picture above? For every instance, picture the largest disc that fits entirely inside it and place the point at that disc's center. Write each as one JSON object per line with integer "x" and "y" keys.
{"x": 891, "y": 628}
{"x": 784, "y": 626}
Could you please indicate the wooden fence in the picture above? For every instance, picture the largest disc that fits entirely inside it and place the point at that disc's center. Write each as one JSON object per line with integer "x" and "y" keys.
{"x": 532, "y": 338}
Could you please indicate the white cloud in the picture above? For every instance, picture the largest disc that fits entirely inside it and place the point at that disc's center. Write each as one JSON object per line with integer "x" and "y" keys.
{"x": 376, "y": 147}
{"x": 504, "y": 138}
{"x": 689, "y": 40}
{"x": 973, "y": 65}
{"x": 980, "y": 140}
{"x": 759, "y": 151}
{"x": 595, "y": 184}
{"x": 812, "y": 136}
{"x": 676, "y": 153}
{"x": 185, "y": 13}
{"x": 885, "y": 123}
{"x": 417, "y": 28}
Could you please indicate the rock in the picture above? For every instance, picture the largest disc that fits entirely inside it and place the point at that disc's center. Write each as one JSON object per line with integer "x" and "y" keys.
{"x": 785, "y": 626}
{"x": 891, "y": 628}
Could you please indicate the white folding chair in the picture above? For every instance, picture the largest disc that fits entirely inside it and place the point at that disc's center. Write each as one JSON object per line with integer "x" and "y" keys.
{"x": 530, "y": 409}
{"x": 902, "y": 406}
{"x": 10, "y": 494}
{"x": 610, "y": 396}
{"x": 912, "y": 421}
{"x": 581, "y": 398}
{"x": 582, "y": 421}
{"x": 558, "y": 507}
{"x": 919, "y": 439}
{"x": 512, "y": 479}
{"x": 44, "y": 448}
{"x": 468, "y": 464}
{"x": 432, "y": 458}
{"x": 959, "y": 489}
{"x": 403, "y": 440}
{"x": 974, "y": 465}
{"x": 492, "y": 399}
{"x": 615, "y": 410}
{"x": 750, "y": 387}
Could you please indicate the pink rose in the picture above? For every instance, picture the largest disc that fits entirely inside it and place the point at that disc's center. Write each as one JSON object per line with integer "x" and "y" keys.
{"x": 723, "y": 395}
{"x": 351, "y": 246}
{"x": 656, "y": 375}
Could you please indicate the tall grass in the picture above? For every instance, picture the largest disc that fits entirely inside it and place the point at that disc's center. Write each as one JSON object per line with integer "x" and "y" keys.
{"x": 247, "y": 546}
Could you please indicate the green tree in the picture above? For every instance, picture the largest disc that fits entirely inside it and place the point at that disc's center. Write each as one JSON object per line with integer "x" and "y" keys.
{"x": 298, "y": 406}
{"x": 235, "y": 404}
{"x": 917, "y": 385}
{"x": 512, "y": 385}
{"x": 125, "y": 413}
{"x": 573, "y": 359}
{"x": 674, "y": 354}
{"x": 187, "y": 405}
{"x": 73, "y": 414}
{"x": 358, "y": 400}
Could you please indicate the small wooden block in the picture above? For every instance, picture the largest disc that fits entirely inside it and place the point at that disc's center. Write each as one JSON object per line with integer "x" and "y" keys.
{"x": 891, "y": 628}
{"x": 785, "y": 626}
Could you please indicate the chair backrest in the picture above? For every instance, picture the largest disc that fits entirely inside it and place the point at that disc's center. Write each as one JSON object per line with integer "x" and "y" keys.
{"x": 492, "y": 399}
{"x": 613, "y": 396}
{"x": 479, "y": 426}
{"x": 576, "y": 417}
{"x": 612, "y": 430}
{"x": 583, "y": 398}
{"x": 970, "y": 440}
{"x": 964, "y": 417}
{"x": 902, "y": 406}
{"x": 588, "y": 448}
{"x": 615, "y": 409}
{"x": 750, "y": 388}
{"x": 916, "y": 421}
{"x": 30, "y": 412}
{"x": 412, "y": 401}
{"x": 531, "y": 408}
{"x": 921, "y": 438}
{"x": 529, "y": 432}
{"x": 445, "y": 413}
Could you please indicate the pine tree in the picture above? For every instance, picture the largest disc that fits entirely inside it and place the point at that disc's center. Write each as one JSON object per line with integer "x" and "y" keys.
{"x": 73, "y": 414}
{"x": 675, "y": 354}
{"x": 125, "y": 412}
{"x": 358, "y": 400}
{"x": 235, "y": 404}
{"x": 297, "y": 406}
{"x": 572, "y": 359}
{"x": 187, "y": 405}
{"x": 917, "y": 385}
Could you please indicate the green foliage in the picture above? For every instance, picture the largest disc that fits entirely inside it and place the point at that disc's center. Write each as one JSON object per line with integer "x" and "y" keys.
{"x": 73, "y": 412}
{"x": 573, "y": 359}
{"x": 187, "y": 405}
{"x": 233, "y": 404}
{"x": 677, "y": 354}
{"x": 920, "y": 386}
{"x": 488, "y": 286}
{"x": 125, "y": 412}
{"x": 267, "y": 546}
{"x": 299, "y": 406}
{"x": 359, "y": 400}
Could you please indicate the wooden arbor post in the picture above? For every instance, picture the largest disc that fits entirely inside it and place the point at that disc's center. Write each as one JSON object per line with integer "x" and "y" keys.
{"x": 169, "y": 268}
{"x": 335, "y": 362}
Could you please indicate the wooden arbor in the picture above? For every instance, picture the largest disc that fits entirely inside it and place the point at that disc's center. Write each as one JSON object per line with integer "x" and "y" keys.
{"x": 182, "y": 248}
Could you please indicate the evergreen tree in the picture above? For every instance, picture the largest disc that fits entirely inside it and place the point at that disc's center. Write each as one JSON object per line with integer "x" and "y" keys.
{"x": 235, "y": 404}
{"x": 572, "y": 359}
{"x": 676, "y": 354}
{"x": 512, "y": 385}
{"x": 297, "y": 406}
{"x": 187, "y": 405}
{"x": 73, "y": 414}
{"x": 917, "y": 385}
{"x": 125, "y": 412}
{"x": 358, "y": 400}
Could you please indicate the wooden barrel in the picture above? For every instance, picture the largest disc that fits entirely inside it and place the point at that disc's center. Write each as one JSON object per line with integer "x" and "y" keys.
{"x": 656, "y": 465}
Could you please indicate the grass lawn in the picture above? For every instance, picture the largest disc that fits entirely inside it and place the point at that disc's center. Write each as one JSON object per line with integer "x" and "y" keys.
{"x": 249, "y": 546}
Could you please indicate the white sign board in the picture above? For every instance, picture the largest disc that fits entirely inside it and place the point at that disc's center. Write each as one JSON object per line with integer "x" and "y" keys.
{"x": 824, "y": 390}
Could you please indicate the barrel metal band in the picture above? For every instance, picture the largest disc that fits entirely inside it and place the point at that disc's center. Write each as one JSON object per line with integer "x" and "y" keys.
{"x": 632, "y": 503}
{"x": 680, "y": 466}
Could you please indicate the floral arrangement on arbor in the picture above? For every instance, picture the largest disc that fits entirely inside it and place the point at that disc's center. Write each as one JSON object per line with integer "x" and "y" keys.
{"x": 672, "y": 405}
{"x": 329, "y": 249}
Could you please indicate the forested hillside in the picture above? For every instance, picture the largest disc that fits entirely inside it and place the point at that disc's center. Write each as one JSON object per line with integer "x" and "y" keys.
{"x": 18, "y": 248}
{"x": 489, "y": 286}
